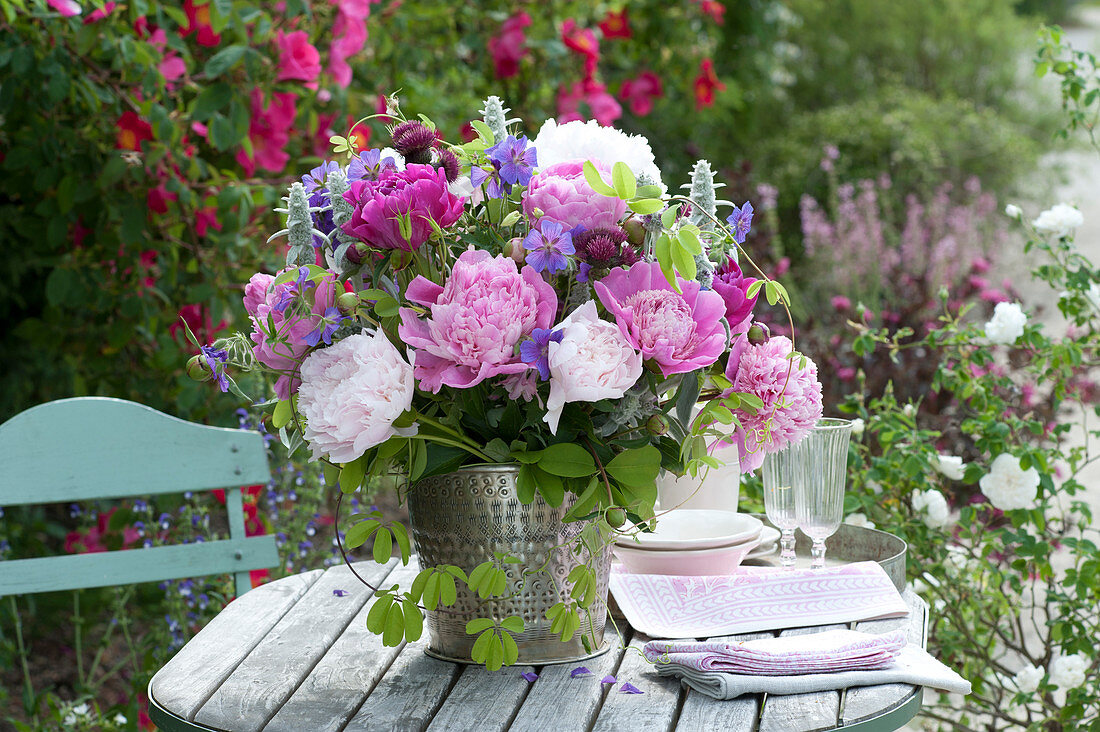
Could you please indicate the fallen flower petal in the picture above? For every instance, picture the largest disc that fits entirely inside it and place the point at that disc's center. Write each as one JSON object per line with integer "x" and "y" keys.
{"x": 529, "y": 676}
{"x": 340, "y": 593}
{"x": 609, "y": 679}
{"x": 629, "y": 688}
{"x": 579, "y": 671}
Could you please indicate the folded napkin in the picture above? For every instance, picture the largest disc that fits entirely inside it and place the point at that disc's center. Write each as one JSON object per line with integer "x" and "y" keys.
{"x": 753, "y": 599}
{"x": 913, "y": 665}
{"x": 828, "y": 652}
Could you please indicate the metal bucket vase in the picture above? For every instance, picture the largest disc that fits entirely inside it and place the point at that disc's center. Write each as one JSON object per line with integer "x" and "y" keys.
{"x": 462, "y": 518}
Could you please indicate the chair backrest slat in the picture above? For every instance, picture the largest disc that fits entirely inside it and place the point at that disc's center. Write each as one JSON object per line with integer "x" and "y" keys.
{"x": 91, "y": 448}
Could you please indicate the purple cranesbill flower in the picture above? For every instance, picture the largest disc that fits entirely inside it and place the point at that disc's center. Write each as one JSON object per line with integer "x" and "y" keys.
{"x": 515, "y": 159}
{"x": 369, "y": 165}
{"x": 298, "y": 287}
{"x": 741, "y": 221}
{"x": 529, "y": 676}
{"x": 536, "y": 349}
{"x": 629, "y": 688}
{"x": 216, "y": 359}
{"x": 547, "y": 247}
{"x": 330, "y": 321}
{"x": 579, "y": 671}
{"x": 582, "y": 271}
{"x": 609, "y": 679}
{"x": 495, "y": 187}
{"x": 315, "y": 179}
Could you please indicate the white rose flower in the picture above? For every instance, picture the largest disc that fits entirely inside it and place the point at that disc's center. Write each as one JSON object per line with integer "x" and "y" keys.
{"x": 909, "y": 410}
{"x": 1068, "y": 672}
{"x": 1008, "y": 486}
{"x": 1027, "y": 679}
{"x": 920, "y": 586}
{"x": 949, "y": 466}
{"x": 82, "y": 710}
{"x": 589, "y": 141}
{"x": 1093, "y": 295}
{"x": 593, "y": 361}
{"x": 1007, "y": 323}
{"x": 858, "y": 519}
{"x": 857, "y": 427}
{"x": 875, "y": 487}
{"x": 1013, "y": 211}
{"x": 1060, "y": 220}
{"x": 351, "y": 394}
{"x": 120, "y": 719}
{"x": 934, "y": 506}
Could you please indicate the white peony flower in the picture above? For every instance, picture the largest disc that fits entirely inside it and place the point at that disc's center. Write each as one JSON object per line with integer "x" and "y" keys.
{"x": 1008, "y": 486}
{"x": 592, "y": 361}
{"x": 934, "y": 506}
{"x": 1068, "y": 672}
{"x": 1060, "y": 220}
{"x": 857, "y": 427}
{"x": 1013, "y": 211}
{"x": 949, "y": 466}
{"x": 351, "y": 394}
{"x": 1007, "y": 323}
{"x": 1027, "y": 679}
{"x": 589, "y": 141}
{"x": 858, "y": 519}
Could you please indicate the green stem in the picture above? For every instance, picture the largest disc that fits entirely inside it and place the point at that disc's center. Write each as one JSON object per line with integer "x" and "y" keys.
{"x": 77, "y": 622}
{"x": 449, "y": 430}
{"x": 444, "y": 441}
{"x": 28, "y": 686}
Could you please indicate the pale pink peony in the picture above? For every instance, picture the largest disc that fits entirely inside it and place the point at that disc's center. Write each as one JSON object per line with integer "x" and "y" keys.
{"x": 476, "y": 320}
{"x": 351, "y": 394}
{"x": 283, "y": 349}
{"x": 592, "y": 361}
{"x": 298, "y": 59}
{"x": 563, "y": 195}
{"x": 680, "y": 332}
{"x": 418, "y": 195}
{"x": 791, "y": 407}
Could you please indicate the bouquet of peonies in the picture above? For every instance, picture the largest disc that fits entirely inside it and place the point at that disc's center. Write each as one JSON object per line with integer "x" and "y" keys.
{"x": 542, "y": 302}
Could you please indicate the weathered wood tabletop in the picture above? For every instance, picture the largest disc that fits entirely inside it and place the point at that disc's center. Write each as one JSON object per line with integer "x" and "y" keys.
{"x": 293, "y": 655}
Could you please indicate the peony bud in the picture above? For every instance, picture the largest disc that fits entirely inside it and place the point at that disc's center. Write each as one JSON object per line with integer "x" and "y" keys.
{"x": 514, "y": 249}
{"x": 635, "y": 231}
{"x": 358, "y": 252}
{"x": 657, "y": 425}
{"x": 616, "y": 517}
{"x": 758, "y": 334}
{"x": 347, "y": 303}
{"x": 198, "y": 370}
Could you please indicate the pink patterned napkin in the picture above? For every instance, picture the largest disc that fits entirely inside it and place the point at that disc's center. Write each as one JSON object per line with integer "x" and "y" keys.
{"x": 754, "y": 599}
{"x": 817, "y": 653}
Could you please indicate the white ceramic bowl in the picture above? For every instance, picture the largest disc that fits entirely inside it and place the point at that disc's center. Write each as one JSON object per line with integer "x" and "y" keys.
{"x": 685, "y": 562}
{"x": 686, "y": 528}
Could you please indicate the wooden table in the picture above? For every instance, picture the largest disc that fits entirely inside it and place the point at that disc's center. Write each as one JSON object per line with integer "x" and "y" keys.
{"x": 293, "y": 655}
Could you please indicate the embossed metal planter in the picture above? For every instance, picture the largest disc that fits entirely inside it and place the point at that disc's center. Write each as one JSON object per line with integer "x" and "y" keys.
{"x": 461, "y": 518}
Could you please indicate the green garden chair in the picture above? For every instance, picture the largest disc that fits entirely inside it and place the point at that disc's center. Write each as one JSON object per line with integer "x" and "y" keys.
{"x": 91, "y": 448}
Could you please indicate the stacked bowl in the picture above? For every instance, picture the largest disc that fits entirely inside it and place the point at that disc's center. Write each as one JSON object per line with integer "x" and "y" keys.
{"x": 696, "y": 542}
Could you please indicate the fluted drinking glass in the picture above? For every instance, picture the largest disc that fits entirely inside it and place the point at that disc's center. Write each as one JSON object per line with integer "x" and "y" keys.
{"x": 819, "y": 489}
{"x": 780, "y": 470}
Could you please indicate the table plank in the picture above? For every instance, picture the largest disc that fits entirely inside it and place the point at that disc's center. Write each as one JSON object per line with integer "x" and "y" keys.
{"x": 558, "y": 702}
{"x": 655, "y": 710}
{"x": 409, "y": 694}
{"x": 802, "y": 712}
{"x": 342, "y": 679}
{"x": 701, "y": 712}
{"x": 271, "y": 672}
{"x": 189, "y": 679}
{"x": 861, "y": 702}
{"x": 482, "y": 701}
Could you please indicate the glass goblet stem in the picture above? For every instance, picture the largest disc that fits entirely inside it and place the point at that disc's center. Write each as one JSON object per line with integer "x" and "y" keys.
{"x": 786, "y": 555}
{"x": 817, "y": 554}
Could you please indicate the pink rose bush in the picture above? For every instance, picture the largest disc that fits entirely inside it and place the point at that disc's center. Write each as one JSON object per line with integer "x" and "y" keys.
{"x": 449, "y": 304}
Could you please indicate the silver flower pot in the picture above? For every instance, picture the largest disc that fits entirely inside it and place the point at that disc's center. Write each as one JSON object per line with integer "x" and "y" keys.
{"x": 462, "y": 518}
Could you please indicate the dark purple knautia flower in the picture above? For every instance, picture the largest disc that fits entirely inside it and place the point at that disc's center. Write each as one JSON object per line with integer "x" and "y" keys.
{"x": 741, "y": 221}
{"x": 369, "y": 165}
{"x": 314, "y": 180}
{"x": 330, "y": 321}
{"x": 216, "y": 359}
{"x": 536, "y": 349}
{"x": 548, "y": 246}
{"x": 515, "y": 159}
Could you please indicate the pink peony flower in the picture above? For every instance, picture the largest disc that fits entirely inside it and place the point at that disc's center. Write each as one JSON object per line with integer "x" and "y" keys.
{"x": 298, "y": 59}
{"x": 295, "y": 310}
{"x": 563, "y": 195}
{"x": 680, "y": 332}
{"x": 592, "y": 361}
{"x": 476, "y": 320}
{"x": 352, "y": 392}
{"x": 269, "y": 131}
{"x": 409, "y": 199}
{"x": 733, "y": 286}
{"x": 791, "y": 407}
